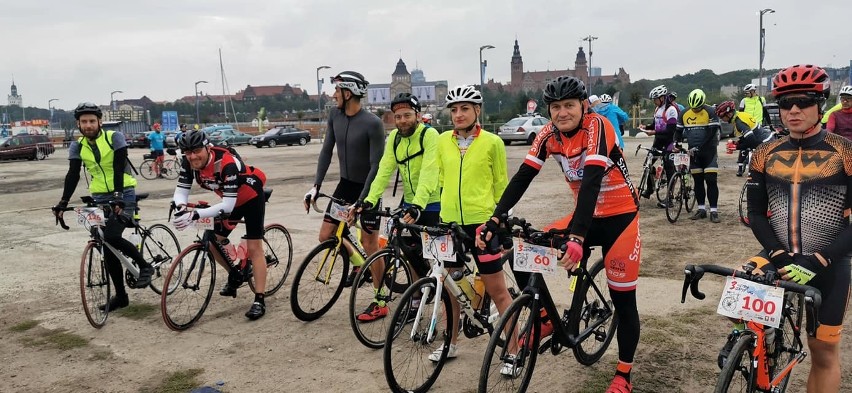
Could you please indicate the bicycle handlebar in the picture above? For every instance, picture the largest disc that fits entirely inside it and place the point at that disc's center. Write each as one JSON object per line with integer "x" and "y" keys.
{"x": 651, "y": 150}
{"x": 813, "y": 296}
{"x": 333, "y": 199}
{"x": 89, "y": 201}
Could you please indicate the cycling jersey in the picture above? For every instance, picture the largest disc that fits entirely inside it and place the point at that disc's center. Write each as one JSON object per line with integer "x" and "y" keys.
{"x": 359, "y": 140}
{"x": 665, "y": 121}
{"x": 157, "y": 140}
{"x": 743, "y": 123}
{"x": 100, "y": 161}
{"x": 417, "y": 165}
{"x": 225, "y": 175}
{"x": 753, "y": 106}
{"x": 473, "y": 175}
{"x": 840, "y": 123}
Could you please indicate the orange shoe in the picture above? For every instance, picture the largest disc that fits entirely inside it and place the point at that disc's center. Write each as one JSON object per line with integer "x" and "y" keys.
{"x": 620, "y": 385}
{"x": 546, "y": 330}
{"x": 373, "y": 312}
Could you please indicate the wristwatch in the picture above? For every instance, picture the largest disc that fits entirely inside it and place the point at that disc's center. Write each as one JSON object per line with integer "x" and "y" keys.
{"x": 118, "y": 195}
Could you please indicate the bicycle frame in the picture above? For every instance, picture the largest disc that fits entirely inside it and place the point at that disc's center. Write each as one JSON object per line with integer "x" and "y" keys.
{"x": 341, "y": 235}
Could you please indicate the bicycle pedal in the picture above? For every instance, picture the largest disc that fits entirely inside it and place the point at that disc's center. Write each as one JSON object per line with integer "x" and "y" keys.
{"x": 545, "y": 346}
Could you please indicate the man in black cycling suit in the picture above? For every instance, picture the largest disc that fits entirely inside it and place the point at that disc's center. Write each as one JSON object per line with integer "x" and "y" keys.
{"x": 241, "y": 188}
{"x": 359, "y": 136}
{"x": 105, "y": 155}
{"x": 700, "y": 126}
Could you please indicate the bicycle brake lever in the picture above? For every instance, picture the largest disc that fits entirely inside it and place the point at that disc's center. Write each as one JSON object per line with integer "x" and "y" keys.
{"x": 686, "y": 280}
{"x": 61, "y": 222}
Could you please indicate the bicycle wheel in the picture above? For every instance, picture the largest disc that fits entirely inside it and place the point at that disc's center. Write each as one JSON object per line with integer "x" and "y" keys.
{"x": 643, "y": 181}
{"x": 743, "y": 207}
{"x": 738, "y": 374}
{"x": 787, "y": 340}
{"x": 674, "y": 202}
{"x": 171, "y": 169}
{"x": 278, "y": 250}
{"x": 408, "y": 343}
{"x": 319, "y": 280}
{"x": 159, "y": 248}
{"x": 688, "y": 192}
{"x": 397, "y": 277}
{"x": 662, "y": 189}
{"x": 147, "y": 170}
{"x": 94, "y": 285}
{"x": 183, "y": 306}
{"x": 594, "y": 309}
{"x": 496, "y": 375}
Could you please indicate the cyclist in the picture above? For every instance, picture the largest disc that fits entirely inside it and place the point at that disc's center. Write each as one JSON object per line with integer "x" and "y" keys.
{"x": 840, "y": 121}
{"x": 805, "y": 179}
{"x": 615, "y": 115}
{"x": 359, "y": 136}
{"x": 673, "y": 96}
{"x": 180, "y": 134}
{"x": 606, "y": 212}
{"x": 750, "y": 133}
{"x": 241, "y": 188}
{"x": 156, "y": 141}
{"x": 700, "y": 126}
{"x": 752, "y": 103}
{"x": 411, "y": 150}
{"x": 104, "y": 153}
{"x": 472, "y": 164}
{"x": 427, "y": 119}
{"x": 665, "y": 124}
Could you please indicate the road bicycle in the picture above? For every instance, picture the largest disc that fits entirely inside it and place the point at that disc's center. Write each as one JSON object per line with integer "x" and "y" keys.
{"x": 193, "y": 274}
{"x": 681, "y": 192}
{"x": 587, "y": 327}
{"x": 742, "y": 206}
{"x": 652, "y": 170}
{"x": 422, "y": 322}
{"x": 157, "y": 243}
{"x": 321, "y": 277}
{"x": 764, "y": 355}
{"x": 169, "y": 168}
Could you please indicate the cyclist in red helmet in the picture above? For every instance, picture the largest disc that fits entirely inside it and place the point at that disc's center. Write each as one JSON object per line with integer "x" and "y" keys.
{"x": 746, "y": 127}
{"x": 805, "y": 179}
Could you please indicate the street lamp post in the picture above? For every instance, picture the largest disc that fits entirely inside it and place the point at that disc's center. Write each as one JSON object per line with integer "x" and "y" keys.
{"x": 111, "y": 100}
{"x": 482, "y": 65}
{"x": 197, "y": 116}
{"x": 50, "y": 108}
{"x": 762, "y": 46}
{"x": 590, "y": 39}
{"x": 319, "y": 94}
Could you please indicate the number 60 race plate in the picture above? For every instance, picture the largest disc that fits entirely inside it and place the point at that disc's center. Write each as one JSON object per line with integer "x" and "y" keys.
{"x": 535, "y": 259}
{"x": 751, "y": 301}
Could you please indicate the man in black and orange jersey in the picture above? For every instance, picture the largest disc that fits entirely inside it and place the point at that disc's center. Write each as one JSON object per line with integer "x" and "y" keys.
{"x": 805, "y": 179}
{"x": 241, "y": 189}
{"x": 585, "y": 146}
{"x": 700, "y": 127}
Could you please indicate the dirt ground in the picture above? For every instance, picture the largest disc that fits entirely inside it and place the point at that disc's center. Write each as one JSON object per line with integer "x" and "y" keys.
{"x": 39, "y": 282}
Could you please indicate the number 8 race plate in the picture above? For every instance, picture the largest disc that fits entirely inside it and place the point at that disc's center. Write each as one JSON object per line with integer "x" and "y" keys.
{"x": 750, "y": 301}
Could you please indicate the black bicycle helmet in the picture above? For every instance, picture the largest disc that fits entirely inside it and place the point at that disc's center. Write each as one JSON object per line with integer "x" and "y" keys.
{"x": 406, "y": 99}
{"x": 192, "y": 140}
{"x": 563, "y": 88}
{"x": 87, "y": 108}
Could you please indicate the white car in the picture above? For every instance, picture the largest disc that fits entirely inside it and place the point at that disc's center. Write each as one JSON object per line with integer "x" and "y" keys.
{"x": 524, "y": 128}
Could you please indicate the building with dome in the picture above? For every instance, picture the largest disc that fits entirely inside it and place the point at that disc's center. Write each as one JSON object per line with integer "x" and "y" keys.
{"x": 429, "y": 92}
{"x": 14, "y": 98}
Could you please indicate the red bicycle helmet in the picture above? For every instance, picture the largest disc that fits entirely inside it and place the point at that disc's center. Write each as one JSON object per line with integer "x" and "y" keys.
{"x": 801, "y": 78}
{"x": 725, "y": 107}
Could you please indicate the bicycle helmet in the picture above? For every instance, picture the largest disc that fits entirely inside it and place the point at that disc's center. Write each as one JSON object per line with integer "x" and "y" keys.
{"x": 464, "y": 93}
{"x": 658, "y": 92}
{"x": 406, "y": 99}
{"x": 427, "y": 117}
{"x": 846, "y": 90}
{"x": 87, "y": 108}
{"x": 750, "y": 87}
{"x": 563, "y": 88}
{"x": 192, "y": 140}
{"x": 725, "y": 108}
{"x": 606, "y": 98}
{"x": 673, "y": 94}
{"x": 696, "y": 98}
{"x": 352, "y": 81}
{"x": 801, "y": 78}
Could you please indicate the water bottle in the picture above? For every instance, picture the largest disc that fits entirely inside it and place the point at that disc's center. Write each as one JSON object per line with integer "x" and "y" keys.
{"x": 136, "y": 240}
{"x": 230, "y": 249}
{"x": 659, "y": 173}
{"x": 479, "y": 291}
{"x": 493, "y": 315}
{"x": 242, "y": 250}
{"x": 463, "y": 284}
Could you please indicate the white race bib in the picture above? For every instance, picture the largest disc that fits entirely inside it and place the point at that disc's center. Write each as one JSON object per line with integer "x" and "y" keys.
{"x": 385, "y": 228}
{"x": 535, "y": 259}
{"x": 88, "y": 217}
{"x": 338, "y": 212}
{"x": 206, "y": 223}
{"x": 751, "y": 301}
{"x": 681, "y": 159}
{"x": 440, "y": 247}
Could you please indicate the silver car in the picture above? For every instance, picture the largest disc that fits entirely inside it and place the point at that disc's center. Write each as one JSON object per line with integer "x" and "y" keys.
{"x": 524, "y": 128}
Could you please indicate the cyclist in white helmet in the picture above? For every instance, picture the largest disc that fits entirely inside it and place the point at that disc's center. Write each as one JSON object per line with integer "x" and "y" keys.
{"x": 753, "y": 103}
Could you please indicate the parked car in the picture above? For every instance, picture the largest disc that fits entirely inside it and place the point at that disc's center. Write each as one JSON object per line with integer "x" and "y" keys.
{"x": 170, "y": 138}
{"x": 31, "y": 147}
{"x": 523, "y": 128}
{"x": 280, "y": 135}
{"x": 230, "y": 137}
{"x": 140, "y": 140}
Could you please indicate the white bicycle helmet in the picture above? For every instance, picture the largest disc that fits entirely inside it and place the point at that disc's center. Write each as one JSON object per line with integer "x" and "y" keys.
{"x": 427, "y": 116}
{"x": 352, "y": 81}
{"x": 846, "y": 90}
{"x": 750, "y": 87}
{"x": 606, "y": 98}
{"x": 657, "y": 92}
{"x": 464, "y": 93}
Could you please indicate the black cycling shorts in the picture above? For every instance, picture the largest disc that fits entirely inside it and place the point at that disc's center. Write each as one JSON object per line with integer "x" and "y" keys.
{"x": 252, "y": 212}
{"x": 156, "y": 153}
{"x": 704, "y": 160}
{"x": 348, "y": 191}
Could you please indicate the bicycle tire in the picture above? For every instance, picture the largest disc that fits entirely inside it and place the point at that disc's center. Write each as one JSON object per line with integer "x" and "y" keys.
{"x": 94, "y": 285}
{"x": 689, "y": 193}
{"x": 146, "y": 169}
{"x": 674, "y": 203}
{"x": 518, "y": 314}
{"x": 395, "y": 282}
{"x": 278, "y": 251}
{"x": 157, "y": 251}
{"x": 591, "y": 312}
{"x": 738, "y": 373}
{"x": 196, "y": 265}
{"x": 308, "y": 300}
{"x": 662, "y": 189}
{"x": 643, "y": 182}
{"x": 742, "y": 207}
{"x": 402, "y": 335}
{"x": 785, "y": 337}
{"x": 171, "y": 169}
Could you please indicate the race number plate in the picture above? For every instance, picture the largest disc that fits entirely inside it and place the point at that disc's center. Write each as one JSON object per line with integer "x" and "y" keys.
{"x": 385, "y": 228}
{"x": 535, "y": 259}
{"x": 681, "y": 159}
{"x": 338, "y": 212}
{"x": 88, "y": 217}
{"x": 206, "y": 223}
{"x": 751, "y": 301}
{"x": 438, "y": 247}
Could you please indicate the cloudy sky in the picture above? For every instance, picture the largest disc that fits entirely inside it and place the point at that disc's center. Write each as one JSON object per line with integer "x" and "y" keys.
{"x": 82, "y": 49}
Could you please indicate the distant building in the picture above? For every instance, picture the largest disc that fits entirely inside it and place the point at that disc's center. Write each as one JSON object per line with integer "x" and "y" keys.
{"x": 729, "y": 91}
{"x": 536, "y": 80}
{"x": 251, "y": 93}
{"x": 429, "y": 92}
{"x": 137, "y": 103}
{"x": 14, "y": 98}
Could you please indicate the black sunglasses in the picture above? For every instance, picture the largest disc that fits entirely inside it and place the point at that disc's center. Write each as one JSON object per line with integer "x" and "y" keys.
{"x": 801, "y": 102}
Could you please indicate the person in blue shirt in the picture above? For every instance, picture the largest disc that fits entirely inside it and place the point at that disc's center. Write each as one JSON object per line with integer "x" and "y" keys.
{"x": 157, "y": 141}
{"x": 180, "y": 133}
{"x": 615, "y": 115}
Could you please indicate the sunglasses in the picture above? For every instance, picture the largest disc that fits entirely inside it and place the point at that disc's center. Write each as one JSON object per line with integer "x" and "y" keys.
{"x": 802, "y": 102}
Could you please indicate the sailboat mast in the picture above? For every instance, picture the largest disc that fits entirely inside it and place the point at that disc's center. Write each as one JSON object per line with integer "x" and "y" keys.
{"x": 222, "y": 76}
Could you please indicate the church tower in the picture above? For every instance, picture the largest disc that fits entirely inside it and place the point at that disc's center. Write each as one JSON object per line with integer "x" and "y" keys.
{"x": 581, "y": 69}
{"x": 14, "y": 98}
{"x": 400, "y": 80}
{"x": 517, "y": 68}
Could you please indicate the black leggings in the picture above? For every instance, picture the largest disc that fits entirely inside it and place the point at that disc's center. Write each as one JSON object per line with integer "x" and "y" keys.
{"x": 712, "y": 192}
{"x": 112, "y": 235}
{"x": 628, "y": 323}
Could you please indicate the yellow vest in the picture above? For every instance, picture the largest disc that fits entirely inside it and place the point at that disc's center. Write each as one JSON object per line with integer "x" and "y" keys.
{"x": 101, "y": 167}
{"x": 754, "y": 107}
